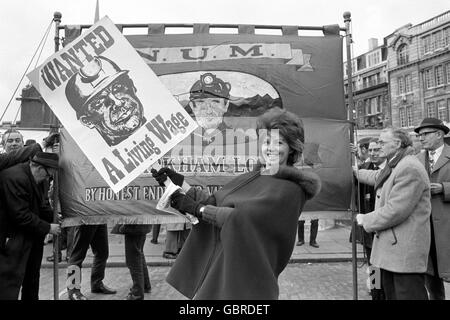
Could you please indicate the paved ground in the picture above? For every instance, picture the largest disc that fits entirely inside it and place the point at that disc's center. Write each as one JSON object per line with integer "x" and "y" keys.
{"x": 299, "y": 281}
{"x": 334, "y": 247}
{"x": 316, "y": 281}
{"x": 323, "y": 273}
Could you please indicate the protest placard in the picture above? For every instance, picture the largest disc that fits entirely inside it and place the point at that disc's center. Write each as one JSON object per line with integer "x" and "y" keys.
{"x": 112, "y": 104}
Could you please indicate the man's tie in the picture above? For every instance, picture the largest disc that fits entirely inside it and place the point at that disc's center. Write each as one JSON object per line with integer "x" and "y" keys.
{"x": 431, "y": 160}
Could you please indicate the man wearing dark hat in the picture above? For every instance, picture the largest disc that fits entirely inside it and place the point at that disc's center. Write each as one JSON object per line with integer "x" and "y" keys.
{"x": 25, "y": 219}
{"x": 436, "y": 159}
{"x": 104, "y": 97}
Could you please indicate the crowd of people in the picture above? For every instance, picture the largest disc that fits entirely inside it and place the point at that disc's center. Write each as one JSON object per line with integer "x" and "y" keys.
{"x": 403, "y": 201}
{"x": 247, "y": 230}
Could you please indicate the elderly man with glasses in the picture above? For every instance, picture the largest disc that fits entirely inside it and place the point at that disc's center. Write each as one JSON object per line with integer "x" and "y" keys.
{"x": 436, "y": 159}
{"x": 400, "y": 218}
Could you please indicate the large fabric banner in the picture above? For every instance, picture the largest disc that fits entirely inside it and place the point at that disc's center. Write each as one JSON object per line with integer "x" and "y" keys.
{"x": 116, "y": 109}
{"x": 224, "y": 82}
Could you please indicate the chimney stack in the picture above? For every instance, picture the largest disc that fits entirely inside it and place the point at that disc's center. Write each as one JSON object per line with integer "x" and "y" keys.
{"x": 373, "y": 43}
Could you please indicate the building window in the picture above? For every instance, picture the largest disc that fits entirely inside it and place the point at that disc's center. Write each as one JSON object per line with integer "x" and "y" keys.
{"x": 401, "y": 85}
{"x": 428, "y": 78}
{"x": 367, "y": 107}
{"x": 431, "y": 111}
{"x": 373, "y": 105}
{"x": 439, "y": 75}
{"x": 402, "y": 55}
{"x": 360, "y": 109}
{"x": 442, "y": 110}
{"x": 374, "y": 79}
{"x": 378, "y": 104}
{"x": 447, "y": 70}
{"x": 408, "y": 85}
{"x": 437, "y": 40}
{"x": 447, "y": 36}
{"x": 373, "y": 58}
{"x": 427, "y": 45}
{"x": 402, "y": 114}
{"x": 409, "y": 116}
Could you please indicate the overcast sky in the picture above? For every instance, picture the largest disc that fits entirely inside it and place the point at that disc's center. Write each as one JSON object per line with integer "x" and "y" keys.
{"x": 24, "y": 22}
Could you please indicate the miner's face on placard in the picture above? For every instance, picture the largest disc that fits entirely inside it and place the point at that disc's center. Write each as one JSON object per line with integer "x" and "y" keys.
{"x": 104, "y": 98}
{"x": 116, "y": 110}
{"x": 209, "y": 99}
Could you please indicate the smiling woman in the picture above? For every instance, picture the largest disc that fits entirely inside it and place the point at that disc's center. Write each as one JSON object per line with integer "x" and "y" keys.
{"x": 247, "y": 229}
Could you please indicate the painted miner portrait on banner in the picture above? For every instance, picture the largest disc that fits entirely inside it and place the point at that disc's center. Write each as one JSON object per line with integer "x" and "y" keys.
{"x": 221, "y": 100}
{"x": 209, "y": 98}
{"x": 104, "y": 98}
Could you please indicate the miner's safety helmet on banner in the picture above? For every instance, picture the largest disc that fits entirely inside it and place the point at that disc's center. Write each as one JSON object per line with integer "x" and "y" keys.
{"x": 90, "y": 80}
{"x": 209, "y": 86}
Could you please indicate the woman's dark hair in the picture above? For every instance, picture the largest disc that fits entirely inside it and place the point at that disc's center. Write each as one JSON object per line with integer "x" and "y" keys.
{"x": 290, "y": 127}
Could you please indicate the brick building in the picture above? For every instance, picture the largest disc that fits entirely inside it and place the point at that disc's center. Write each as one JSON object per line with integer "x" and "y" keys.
{"x": 411, "y": 80}
{"x": 419, "y": 71}
{"x": 370, "y": 87}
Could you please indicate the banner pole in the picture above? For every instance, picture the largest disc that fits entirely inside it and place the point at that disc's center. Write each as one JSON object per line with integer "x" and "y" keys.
{"x": 54, "y": 126}
{"x": 351, "y": 107}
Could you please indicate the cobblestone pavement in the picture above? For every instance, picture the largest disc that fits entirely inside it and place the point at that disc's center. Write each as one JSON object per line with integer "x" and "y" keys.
{"x": 299, "y": 281}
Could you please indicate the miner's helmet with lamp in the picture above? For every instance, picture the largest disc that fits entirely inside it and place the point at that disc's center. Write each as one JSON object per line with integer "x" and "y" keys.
{"x": 91, "y": 79}
{"x": 210, "y": 86}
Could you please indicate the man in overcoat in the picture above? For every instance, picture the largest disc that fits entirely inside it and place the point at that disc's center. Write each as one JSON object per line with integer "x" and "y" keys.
{"x": 25, "y": 219}
{"x": 436, "y": 159}
{"x": 400, "y": 219}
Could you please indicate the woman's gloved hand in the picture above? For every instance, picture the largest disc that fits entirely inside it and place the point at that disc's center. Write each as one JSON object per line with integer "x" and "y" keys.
{"x": 185, "y": 204}
{"x": 163, "y": 173}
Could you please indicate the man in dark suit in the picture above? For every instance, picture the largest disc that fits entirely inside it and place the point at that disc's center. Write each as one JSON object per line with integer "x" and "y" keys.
{"x": 25, "y": 218}
{"x": 95, "y": 236}
{"x": 436, "y": 158}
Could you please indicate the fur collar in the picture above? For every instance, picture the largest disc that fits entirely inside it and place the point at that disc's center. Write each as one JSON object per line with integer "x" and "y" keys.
{"x": 309, "y": 181}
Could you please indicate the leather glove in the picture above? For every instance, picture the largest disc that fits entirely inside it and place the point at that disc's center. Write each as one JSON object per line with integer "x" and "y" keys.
{"x": 184, "y": 203}
{"x": 163, "y": 173}
{"x": 210, "y": 201}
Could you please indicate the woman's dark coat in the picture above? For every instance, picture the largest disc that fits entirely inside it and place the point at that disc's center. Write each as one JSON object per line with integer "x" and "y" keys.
{"x": 243, "y": 259}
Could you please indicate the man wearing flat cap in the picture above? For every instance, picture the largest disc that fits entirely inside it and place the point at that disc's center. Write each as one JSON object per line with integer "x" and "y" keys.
{"x": 436, "y": 159}
{"x": 25, "y": 219}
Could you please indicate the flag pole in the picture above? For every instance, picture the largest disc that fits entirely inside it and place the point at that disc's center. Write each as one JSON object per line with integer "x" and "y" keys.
{"x": 54, "y": 127}
{"x": 97, "y": 12}
{"x": 348, "y": 36}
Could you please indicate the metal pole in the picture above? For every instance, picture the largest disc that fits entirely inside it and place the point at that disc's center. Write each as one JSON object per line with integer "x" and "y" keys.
{"x": 54, "y": 123}
{"x": 57, "y": 19}
{"x": 348, "y": 36}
